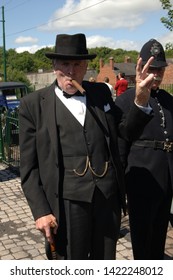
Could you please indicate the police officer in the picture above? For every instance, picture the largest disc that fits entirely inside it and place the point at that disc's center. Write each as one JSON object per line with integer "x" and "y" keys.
{"x": 148, "y": 163}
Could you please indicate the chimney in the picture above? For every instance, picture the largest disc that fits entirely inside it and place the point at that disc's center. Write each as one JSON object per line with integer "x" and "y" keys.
{"x": 127, "y": 59}
{"x": 111, "y": 62}
{"x": 101, "y": 63}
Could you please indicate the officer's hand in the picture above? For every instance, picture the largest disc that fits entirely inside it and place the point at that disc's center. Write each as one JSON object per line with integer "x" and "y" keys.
{"x": 144, "y": 82}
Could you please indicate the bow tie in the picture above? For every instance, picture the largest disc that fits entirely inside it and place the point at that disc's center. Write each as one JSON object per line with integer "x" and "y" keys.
{"x": 67, "y": 95}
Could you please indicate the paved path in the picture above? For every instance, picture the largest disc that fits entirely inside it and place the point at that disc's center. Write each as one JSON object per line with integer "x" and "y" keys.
{"x": 19, "y": 240}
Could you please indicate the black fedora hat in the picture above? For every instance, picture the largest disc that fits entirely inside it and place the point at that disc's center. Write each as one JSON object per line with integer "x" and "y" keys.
{"x": 70, "y": 47}
{"x": 153, "y": 48}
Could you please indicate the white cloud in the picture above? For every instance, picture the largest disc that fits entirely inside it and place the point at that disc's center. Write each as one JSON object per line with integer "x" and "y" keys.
{"x": 105, "y": 17}
{"x": 101, "y": 14}
{"x": 100, "y": 41}
{"x": 167, "y": 38}
{"x": 23, "y": 40}
{"x": 92, "y": 42}
{"x": 30, "y": 49}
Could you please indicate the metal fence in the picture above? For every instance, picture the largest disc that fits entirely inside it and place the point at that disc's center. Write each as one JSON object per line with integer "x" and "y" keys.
{"x": 9, "y": 139}
{"x": 168, "y": 88}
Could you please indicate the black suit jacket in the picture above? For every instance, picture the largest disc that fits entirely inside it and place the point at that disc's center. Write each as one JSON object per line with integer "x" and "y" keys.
{"x": 39, "y": 145}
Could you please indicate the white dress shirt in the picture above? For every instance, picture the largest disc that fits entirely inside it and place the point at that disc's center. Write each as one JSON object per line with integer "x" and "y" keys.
{"x": 75, "y": 104}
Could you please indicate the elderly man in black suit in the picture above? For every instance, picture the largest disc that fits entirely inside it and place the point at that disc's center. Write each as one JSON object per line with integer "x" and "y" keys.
{"x": 148, "y": 163}
{"x": 70, "y": 168}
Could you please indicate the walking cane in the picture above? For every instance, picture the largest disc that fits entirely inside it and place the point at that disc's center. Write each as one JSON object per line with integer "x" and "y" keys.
{"x": 53, "y": 251}
{"x": 55, "y": 255}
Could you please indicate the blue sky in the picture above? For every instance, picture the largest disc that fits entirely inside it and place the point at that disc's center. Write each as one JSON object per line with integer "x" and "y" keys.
{"x": 127, "y": 24}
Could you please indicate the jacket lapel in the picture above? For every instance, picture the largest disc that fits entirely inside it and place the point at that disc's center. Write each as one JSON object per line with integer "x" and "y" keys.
{"x": 49, "y": 114}
{"x": 99, "y": 113}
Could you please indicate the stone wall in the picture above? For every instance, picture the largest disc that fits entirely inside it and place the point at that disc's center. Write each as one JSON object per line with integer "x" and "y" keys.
{"x": 41, "y": 80}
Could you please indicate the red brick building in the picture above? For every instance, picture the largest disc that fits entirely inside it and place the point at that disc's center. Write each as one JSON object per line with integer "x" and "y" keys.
{"x": 168, "y": 76}
{"x": 112, "y": 69}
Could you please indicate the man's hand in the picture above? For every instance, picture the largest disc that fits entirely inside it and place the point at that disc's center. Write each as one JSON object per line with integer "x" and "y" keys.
{"x": 47, "y": 224}
{"x": 144, "y": 82}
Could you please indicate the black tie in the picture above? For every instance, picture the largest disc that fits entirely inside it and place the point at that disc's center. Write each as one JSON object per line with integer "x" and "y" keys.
{"x": 67, "y": 95}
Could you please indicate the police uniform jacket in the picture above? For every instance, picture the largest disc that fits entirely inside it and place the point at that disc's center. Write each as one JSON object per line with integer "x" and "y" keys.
{"x": 149, "y": 160}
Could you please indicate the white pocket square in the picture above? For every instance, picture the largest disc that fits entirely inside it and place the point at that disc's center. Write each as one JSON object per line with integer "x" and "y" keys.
{"x": 107, "y": 107}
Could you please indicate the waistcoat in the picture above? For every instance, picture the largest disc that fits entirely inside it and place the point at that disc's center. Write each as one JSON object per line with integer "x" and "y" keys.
{"x": 85, "y": 156}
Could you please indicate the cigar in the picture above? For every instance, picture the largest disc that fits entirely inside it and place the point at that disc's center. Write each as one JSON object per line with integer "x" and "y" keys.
{"x": 78, "y": 86}
{"x": 157, "y": 79}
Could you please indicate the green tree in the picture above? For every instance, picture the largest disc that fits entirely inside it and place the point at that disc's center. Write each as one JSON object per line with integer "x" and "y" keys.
{"x": 167, "y": 21}
{"x": 17, "y": 76}
{"x": 105, "y": 53}
{"x": 41, "y": 61}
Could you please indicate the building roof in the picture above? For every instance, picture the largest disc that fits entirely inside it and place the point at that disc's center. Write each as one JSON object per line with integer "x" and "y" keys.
{"x": 126, "y": 67}
{"x": 90, "y": 73}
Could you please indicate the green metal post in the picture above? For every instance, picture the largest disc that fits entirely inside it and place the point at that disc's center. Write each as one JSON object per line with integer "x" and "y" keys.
{"x": 1, "y": 142}
{"x": 4, "y": 48}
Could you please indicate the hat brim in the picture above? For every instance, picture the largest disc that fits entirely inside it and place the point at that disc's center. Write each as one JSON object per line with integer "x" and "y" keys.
{"x": 156, "y": 64}
{"x": 73, "y": 57}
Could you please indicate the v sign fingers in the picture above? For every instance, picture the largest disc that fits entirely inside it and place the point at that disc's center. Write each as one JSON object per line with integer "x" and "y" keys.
{"x": 143, "y": 82}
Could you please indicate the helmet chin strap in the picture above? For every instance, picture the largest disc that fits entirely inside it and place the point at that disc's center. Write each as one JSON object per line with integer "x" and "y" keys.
{"x": 157, "y": 79}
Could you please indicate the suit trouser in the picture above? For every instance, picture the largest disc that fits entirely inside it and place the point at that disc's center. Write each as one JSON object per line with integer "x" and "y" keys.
{"x": 149, "y": 208}
{"x": 89, "y": 230}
